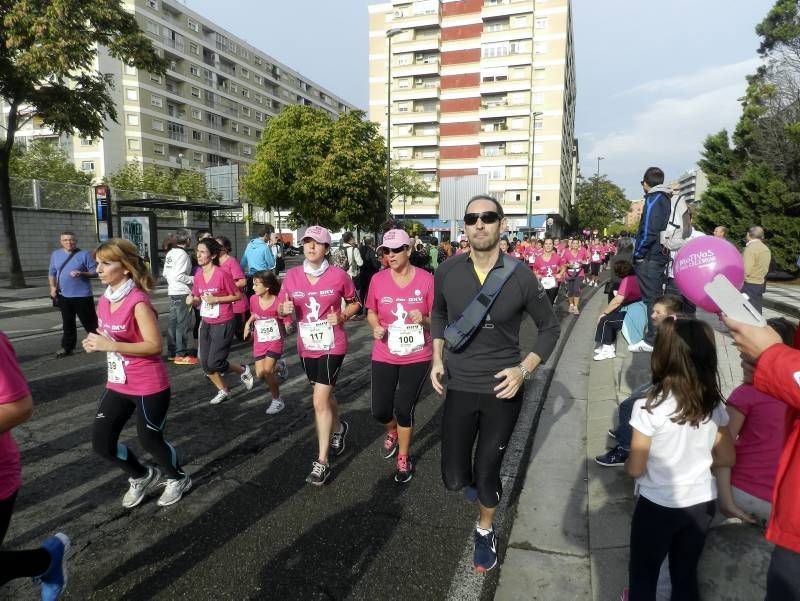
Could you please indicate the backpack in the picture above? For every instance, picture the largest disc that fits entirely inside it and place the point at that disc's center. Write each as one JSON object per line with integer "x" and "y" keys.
{"x": 679, "y": 225}
{"x": 340, "y": 259}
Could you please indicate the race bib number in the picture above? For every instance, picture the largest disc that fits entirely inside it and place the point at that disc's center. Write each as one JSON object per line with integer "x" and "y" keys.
{"x": 317, "y": 335}
{"x": 405, "y": 339}
{"x": 267, "y": 330}
{"x": 207, "y": 310}
{"x": 574, "y": 268}
{"x": 595, "y": 257}
{"x": 532, "y": 259}
{"x": 548, "y": 282}
{"x": 115, "y": 365}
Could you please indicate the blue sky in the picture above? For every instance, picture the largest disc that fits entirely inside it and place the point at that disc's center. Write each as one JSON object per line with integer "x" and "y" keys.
{"x": 654, "y": 77}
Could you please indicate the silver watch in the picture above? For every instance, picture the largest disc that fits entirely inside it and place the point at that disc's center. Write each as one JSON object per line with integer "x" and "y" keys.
{"x": 526, "y": 375}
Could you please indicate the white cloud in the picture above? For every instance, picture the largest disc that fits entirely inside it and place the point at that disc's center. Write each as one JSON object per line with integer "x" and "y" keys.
{"x": 669, "y": 132}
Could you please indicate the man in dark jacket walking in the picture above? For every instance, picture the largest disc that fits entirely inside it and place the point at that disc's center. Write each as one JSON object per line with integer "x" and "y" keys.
{"x": 650, "y": 258}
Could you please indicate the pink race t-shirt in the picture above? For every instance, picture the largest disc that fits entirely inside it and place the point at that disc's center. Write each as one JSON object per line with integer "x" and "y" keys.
{"x": 629, "y": 289}
{"x": 143, "y": 375}
{"x": 393, "y": 304}
{"x": 219, "y": 284}
{"x": 575, "y": 261}
{"x": 597, "y": 252}
{"x": 13, "y": 387}
{"x": 235, "y": 270}
{"x": 263, "y": 346}
{"x": 313, "y": 302}
{"x": 548, "y": 267}
{"x": 760, "y": 441}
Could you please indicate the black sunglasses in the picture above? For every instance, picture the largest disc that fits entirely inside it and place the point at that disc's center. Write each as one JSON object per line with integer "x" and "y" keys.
{"x": 487, "y": 217}
{"x": 397, "y": 251}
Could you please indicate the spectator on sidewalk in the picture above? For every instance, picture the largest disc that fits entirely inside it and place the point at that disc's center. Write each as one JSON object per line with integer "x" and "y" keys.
{"x": 371, "y": 266}
{"x": 757, "y": 258}
{"x": 613, "y": 315}
{"x": 649, "y": 256}
{"x": 433, "y": 252}
{"x": 777, "y": 373}
{"x": 679, "y": 432}
{"x": 257, "y": 257}
{"x": 721, "y": 231}
{"x": 671, "y": 288}
{"x": 178, "y": 273}
{"x": 664, "y": 307}
{"x": 68, "y": 275}
{"x": 276, "y": 246}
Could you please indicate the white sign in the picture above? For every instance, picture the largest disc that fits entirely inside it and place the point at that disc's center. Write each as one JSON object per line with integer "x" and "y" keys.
{"x": 137, "y": 230}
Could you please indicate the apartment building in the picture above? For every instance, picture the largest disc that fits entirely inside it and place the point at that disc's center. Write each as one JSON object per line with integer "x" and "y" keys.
{"x": 479, "y": 87}
{"x": 692, "y": 184}
{"x": 208, "y": 110}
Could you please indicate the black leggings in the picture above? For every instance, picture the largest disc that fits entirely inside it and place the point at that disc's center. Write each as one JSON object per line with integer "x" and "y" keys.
{"x": 552, "y": 294}
{"x": 18, "y": 564}
{"x": 783, "y": 576}
{"x": 396, "y": 390}
{"x": 658, "y": 531}
{"x": 608, "y": 326}
{"x": 114, "y": 410}
{"x": 492, "y": 420}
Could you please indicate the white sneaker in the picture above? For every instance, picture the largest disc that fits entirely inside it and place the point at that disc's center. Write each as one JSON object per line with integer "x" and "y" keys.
{"x": 173, "y": 490}
{"x": 640, "y": 347}
{"x": 139, "y": 487}
{"x": 247, "y": 378}
{"x": 605, "y": 354}
{"x": 283, "y": 370}
{"x": 276, "y": 406}
{"x": 220, "y": 397}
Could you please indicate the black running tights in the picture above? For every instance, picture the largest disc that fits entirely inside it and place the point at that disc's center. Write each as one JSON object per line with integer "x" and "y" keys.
{"x": 18, "y": 564}
{"x": 396, "y": 390}
{"x": 114, "y": 410}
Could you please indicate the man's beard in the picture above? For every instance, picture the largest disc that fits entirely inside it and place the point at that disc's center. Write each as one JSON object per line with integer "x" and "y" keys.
{"x": 486, "y": 243}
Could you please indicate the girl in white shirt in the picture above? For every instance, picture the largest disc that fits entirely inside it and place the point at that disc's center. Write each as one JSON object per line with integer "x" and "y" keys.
{"x": 679, "y": 432}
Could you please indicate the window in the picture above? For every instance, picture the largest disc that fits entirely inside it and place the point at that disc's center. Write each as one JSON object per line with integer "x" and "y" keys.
{"x": 156, "y": 78}
{"x": 234, "y": 88}
{"x": 130, "y": 119}
{"x": 405, "y": 130}
{"x": 158, "y": 149}
{"x": 519, "y": 21}
{"x": 131, "y": 94}
{"x": 259, "y": 80}
{"x": 517, "y": 147}
{"x": 491, "y": 172}
{"x": 152, "y": 27}
{"x": 129, "y": 70}
{"x": 244, "y": 73}
{"x": 540, "y": 48}
{"x": 403, "y": 107}
{"x": 134, "y": 144}
{"x": 198, "y": 157}
{"x": 519, "y": 123}
{"x": 234, "y": 126}
{"x": 537, "y": 172}
{"x": 194, "y": 70}
{"x": 193, "y": 25}
{"x": 494, "y": 150}
{"x": 194, "y": 48}
{"x": 539, "y": 73}
{"x": 403, "y": 83}
{"x": 246, "y": 130}
{"x": 86, "y": 141}
{"x": 537, "y": 124}
{"x": 247, "y": 149}
{"x": 156, "y": 101}
{"x": 260, "y": 117}
{"x": 87, "y": 166}
{"x": 195, "y": 92}
{"x": 197, "y": 114}
{"x": 541, "y": 23}
{"x": 157, "y": 125}
{"x": 245, "y": 93}
{"x": 516, "y": 172}
{"x": 404, "y": 59}
{"x": 538, "y": 99}
{"x": 403, "y": 153}
{"x": 245, "y": 111}
{"x": 197, "y": 136}
{"x": 153, "y": 4}
{"x": 495, "y": 26}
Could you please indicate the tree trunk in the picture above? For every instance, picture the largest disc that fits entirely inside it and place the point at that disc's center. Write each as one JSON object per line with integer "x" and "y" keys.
{"x": 15, "y": 274}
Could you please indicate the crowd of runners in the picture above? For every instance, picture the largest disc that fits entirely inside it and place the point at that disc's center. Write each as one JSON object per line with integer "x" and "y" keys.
{"x": 457, "y": 328}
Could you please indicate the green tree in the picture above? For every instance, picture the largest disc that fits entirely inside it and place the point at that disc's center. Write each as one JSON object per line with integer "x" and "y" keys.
{"x": 47, "y": 53}
{"x": 157, "y": 180}
{"x": 321, "y": 170}
{"x": 45, "y": 160}
{"x": 599, "y": 202}
{"x": 409, "y": 184}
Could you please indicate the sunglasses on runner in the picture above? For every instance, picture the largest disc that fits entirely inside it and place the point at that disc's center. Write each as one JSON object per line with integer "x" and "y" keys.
{"x": 397, "y": 251}
{"x": 487, "y": 217}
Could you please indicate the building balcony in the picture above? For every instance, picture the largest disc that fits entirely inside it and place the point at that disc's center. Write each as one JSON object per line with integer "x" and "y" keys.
{"x": 417, "y": 140}
{"x": 406, "y": 19}
{"x": 506, "y": 85}
{"x": 414, "y": 93}
{"x": 493, "y": 9}
{"x": 419, "y": 163}
{"x": 415, "y": 69}
{"x": 417, "y": 45}
{"x": 488, "y": 111}
{"x": 504, "y": 135}
{"x": 177, "y": 136}
{"x": 517, "y": 33}
{"x": 415, "y": 117}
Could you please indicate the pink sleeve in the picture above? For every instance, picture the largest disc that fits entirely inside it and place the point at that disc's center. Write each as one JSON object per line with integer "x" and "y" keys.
{"x": 195, "y": 287}
{"x": 13, "y": 386}
{"x": 740, "y": 400}
{"x": 623, "y": 287}
{"x": 348, "y": 288}
{"x": 228, "y": 285}
{"x": 371, "y": 301}
{"x": 236, "y": 270}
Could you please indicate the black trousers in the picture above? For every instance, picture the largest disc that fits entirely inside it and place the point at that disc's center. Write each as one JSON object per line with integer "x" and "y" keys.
{"x": 81, "y": 307}
{"x": 18, "y": 564}
{"x": 608, "y": 326}
{"x": 783, "y": 576}
{"x": 755, "y": 294}
{"x": 396, "y": 390}
{"x": 658, "y": 531}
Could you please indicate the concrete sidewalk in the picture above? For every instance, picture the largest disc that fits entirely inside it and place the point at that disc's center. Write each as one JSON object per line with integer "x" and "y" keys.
{"x": 571, "y": 531}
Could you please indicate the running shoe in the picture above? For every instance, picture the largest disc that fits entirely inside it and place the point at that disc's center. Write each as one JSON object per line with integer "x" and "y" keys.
{"x": 53, "y": 581}
{"x": 606, "y": 353}
{"x": 405, "y": 469}
{"x": 390, "y": 445}
{"x": 485, "y": 556}
{"x": 283, "y": 370}
{"x": 247, "y": 378}
{"x": 276, "y": 406}
{"x": 614, "y": 458}
{"x": 139, "y": 487}
{"x": 61, "y": 353}
{"x": 187, "y": 360}
{"x": 171, "y": 358}
{"x": 174, "y": 490}
{"x": 640, "y": 347}
{"x": 319, "y": 474}
{"x": 337, "y": 439}
{"x": 470, "y": 493}
{"x": 220, "y": 397}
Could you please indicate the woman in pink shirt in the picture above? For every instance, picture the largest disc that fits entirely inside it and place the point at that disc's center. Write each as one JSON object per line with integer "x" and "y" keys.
{"x": 314, "y": 292}
{"x": 549, "y": 268}
{"x": 215, "y": 291}
{"x": 574, "y": 258}
{"x": 231, "y": 264}
{"x": 399, "y": 310}
{"x": 597, "y": 253}
{"x": 129, "y": 334}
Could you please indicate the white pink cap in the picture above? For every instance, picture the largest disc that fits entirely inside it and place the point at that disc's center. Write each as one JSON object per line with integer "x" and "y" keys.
{"x": 395, "y": 239}
{"x": 318, "y": 234}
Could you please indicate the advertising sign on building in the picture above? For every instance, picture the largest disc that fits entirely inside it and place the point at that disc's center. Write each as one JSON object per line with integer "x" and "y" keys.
{"x": 137, "y": 230}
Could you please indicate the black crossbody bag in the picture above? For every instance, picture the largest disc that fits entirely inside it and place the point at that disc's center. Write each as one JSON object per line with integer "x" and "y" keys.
{"x": 458, "y": 333}
{"x": 57, "y": 297}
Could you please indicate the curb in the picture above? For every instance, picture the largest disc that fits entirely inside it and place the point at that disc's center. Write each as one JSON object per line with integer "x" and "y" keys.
{"x": 784, "y": 308}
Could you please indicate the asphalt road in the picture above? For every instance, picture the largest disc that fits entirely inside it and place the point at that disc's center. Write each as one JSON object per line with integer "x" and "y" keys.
{"x": 250, "y": 528}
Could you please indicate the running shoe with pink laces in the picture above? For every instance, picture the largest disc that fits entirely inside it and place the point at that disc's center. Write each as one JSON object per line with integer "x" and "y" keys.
{"x": 389, "y": 445}
{"x": 405, "y": 469}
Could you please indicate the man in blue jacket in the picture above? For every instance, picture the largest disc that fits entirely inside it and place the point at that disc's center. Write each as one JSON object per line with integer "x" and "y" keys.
{"x": 257, "y": 257}
{"x": 650, "y": 258}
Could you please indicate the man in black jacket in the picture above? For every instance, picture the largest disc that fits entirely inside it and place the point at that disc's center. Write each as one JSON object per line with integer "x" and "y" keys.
{"x": 650, "y": 258}
{"x": 370, "y": 267}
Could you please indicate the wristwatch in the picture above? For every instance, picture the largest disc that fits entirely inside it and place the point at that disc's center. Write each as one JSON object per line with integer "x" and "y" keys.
{"x": 526, "y": 375}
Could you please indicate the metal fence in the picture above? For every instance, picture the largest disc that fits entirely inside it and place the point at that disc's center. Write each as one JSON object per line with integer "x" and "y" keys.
{"x": 42, "y": 194}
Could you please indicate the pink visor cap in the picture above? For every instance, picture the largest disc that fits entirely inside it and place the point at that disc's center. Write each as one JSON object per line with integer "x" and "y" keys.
{"x": 395, "y": 239}
{"x": 318, "y": 234}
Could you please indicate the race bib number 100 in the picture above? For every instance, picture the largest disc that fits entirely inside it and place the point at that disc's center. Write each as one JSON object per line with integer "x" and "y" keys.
{"x": 406, "y": 339}
{"x": 317, "y": 335}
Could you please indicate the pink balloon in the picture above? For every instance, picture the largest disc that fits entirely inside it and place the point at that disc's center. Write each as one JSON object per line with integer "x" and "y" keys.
{"x": 701, "y": 259}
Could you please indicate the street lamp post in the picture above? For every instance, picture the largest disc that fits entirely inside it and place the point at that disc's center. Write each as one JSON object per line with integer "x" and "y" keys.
{"x": 389, "y": 35}
{"x": 535, "y": 115}
{"x": 597, "y": 183}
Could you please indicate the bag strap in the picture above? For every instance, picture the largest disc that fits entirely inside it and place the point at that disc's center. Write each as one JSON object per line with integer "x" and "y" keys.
{"x": 460, "y": 332}
{"x": 58, "y": 271}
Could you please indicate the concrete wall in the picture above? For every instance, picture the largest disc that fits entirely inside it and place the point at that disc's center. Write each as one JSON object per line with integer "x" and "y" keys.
{"x": 38, "y": 233}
